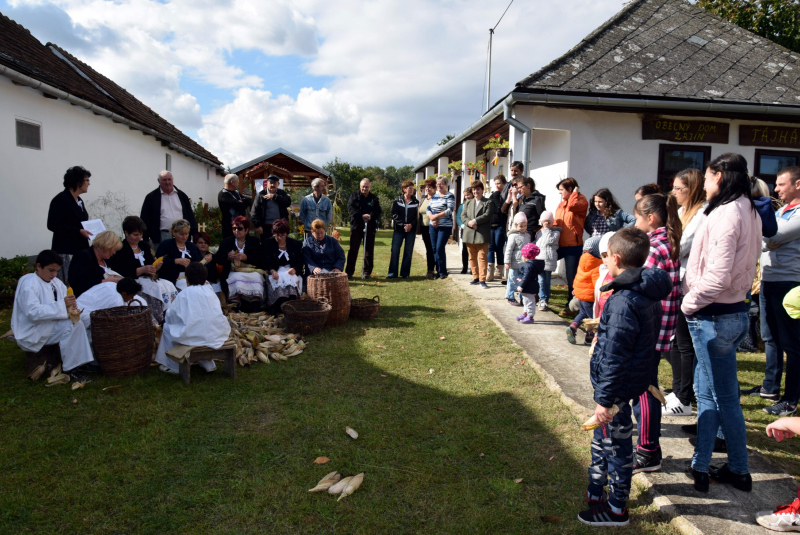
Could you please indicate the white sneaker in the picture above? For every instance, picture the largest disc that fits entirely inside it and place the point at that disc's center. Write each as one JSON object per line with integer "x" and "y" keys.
{"x": 542, "y": 305}
{"x": 676, "y": 408}
{"x": 167, "y": 370}
{"x": 784, "y": 518}
{"x": 668, "y": 399}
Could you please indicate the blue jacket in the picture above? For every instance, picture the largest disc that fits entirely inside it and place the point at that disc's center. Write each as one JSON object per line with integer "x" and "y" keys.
{"x": 624, "y": 359}
{"x": 769, "y": 224}
{"x": 311, "y": 210}
{"x": 617, "y": 221}
{"x": 328, "y": 255}
{"x": 527, "y": 276}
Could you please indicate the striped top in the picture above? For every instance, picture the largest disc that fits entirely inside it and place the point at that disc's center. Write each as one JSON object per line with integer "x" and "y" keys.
{"x": 443, "y": 203}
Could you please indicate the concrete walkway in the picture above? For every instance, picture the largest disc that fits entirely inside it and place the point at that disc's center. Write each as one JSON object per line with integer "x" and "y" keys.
{"x": 565, "y": 367}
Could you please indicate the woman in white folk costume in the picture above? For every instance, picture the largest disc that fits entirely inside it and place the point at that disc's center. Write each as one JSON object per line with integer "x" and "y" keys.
{"x": 135, "y": 260}
{"x": 177, "y": 253}
{"x": 41, "y": 316}
{"x": 194, "y": 319}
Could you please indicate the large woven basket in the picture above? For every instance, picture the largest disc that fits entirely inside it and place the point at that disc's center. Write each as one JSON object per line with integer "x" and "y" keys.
{"x": 122, "y": 338}
{"x": 365, "y": 308}
{"x": 305, "y": 316}
{"x": 334, "y": 288}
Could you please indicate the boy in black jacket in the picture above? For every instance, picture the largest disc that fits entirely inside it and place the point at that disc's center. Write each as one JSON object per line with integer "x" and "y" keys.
{"x": 621, "y": 366}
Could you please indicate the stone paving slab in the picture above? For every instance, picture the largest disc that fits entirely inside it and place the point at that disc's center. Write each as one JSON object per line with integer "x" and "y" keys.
{"x": 565, "y": 368}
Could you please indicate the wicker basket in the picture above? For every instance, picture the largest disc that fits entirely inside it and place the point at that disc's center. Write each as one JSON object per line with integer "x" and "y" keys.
{"x": 365, "y": 308}
{"x": 305, "y": 316}
{"x": 122, "y": 338}
{"x": 335, "y": 288}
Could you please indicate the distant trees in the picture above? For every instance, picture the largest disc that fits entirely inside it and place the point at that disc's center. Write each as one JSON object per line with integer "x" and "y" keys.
{"x": 777, "y": 20}
{"x": 385, "y": 185}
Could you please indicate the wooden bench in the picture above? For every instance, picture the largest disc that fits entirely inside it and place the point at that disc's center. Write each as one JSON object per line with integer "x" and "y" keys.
{"x": 226, "y": 353}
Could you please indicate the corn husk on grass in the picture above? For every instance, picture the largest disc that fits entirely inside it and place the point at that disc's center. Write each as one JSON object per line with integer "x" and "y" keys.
{"x": 339, "y": 487}
{"x": 327, "y": 482}
{"x": 351, "y": 487}
{"x": 259, "y": 338}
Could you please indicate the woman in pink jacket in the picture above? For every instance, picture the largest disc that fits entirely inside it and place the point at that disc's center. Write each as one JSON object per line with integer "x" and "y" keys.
{"x": 721, "y": 269}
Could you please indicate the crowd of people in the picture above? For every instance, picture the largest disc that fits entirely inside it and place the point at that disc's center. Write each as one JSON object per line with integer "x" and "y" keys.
{"x": 678, "y": 278}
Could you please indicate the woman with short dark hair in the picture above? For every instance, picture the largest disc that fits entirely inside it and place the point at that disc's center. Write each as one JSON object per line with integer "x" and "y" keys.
{"x": 234, "y": 251}
{"x": 285, "y": 266}
{"x": 67, "y": 212}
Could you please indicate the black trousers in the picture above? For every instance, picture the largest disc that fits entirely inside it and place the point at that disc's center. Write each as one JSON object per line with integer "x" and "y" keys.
{"x": 681, "y": 358}
{"x": 426, "y": 239}
{"x": 266, "y": 235}
{"x": 356, "y": 237}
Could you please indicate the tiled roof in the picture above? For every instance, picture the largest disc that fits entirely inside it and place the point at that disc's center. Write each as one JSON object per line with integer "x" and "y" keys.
{"x": 676, "y": 50}
{"x": 22, "y": 52}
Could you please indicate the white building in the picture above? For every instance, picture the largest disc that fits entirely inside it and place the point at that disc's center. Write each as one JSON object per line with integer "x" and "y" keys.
{"x": 661, "y": 86}
{"x": 57, "y": 112}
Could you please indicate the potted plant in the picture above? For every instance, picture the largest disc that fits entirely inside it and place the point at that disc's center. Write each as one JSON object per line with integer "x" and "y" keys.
{"x": 473, "y": 167}
{"x": 455, "y": 166}
{"x": 497, "y": 144}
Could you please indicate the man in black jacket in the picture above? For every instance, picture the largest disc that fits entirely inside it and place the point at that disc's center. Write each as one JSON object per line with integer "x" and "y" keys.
{"x": 531, "y": 204}
{"x": 163, "y": 206}
{"x": 365, "y": 210}
{"x": 231, "y": 203}
{"x": 270, "y": 204}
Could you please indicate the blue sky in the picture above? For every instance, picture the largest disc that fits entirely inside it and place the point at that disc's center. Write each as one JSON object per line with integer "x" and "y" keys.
{"x": 373, "y": 83}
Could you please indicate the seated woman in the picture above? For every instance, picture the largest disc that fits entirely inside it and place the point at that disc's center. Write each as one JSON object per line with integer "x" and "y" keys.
{"x": 285, "y": 264}
{"x": 135, "y": 260}
{"x": 89, "y": 267}
{"x": 194, "y": 319}
{"x": 178, "y": 253}
{"x": 322, "y": 253}
{"x": 40, "y": 316}
{"x": 203, "y": 242}
{"x": 243, "y": 249}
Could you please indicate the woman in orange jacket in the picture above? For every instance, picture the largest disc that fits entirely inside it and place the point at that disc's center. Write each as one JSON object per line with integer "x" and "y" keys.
{"x": 571, "y": 216}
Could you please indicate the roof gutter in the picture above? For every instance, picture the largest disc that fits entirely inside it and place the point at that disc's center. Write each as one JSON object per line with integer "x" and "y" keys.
{"x": 94, "y": 108}
{"x": 602, "y": 101}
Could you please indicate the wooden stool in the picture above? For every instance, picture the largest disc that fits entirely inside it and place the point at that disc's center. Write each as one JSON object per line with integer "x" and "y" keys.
{"x": 226, "y": 353}
{"x": 49, "y": 355}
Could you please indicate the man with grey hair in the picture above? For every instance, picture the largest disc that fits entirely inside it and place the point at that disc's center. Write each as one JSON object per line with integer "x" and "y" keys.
{"x": 164, "y": 205}
{"x": 316, "y": 206}
{"x": 231, "y": 203}
{"x": 365, "y": 213}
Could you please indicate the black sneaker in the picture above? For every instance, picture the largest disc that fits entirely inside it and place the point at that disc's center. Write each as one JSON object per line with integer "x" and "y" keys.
{"x": 588, "y": 339}
{"x": 514, "y": 303}
{"x": 758, "y": 391}
{"x": 602, "y": 515}
{"x": 89, "y": 367}
{"x": 646, "y": 461}
{"x": 484, "y": 286}
{"x": 475, "y": 282}
{"x": 720, "y": 446}
{"x": 76, "y": 377}
{"x": 592, "y": 502}
{"x": 782, "y": 408}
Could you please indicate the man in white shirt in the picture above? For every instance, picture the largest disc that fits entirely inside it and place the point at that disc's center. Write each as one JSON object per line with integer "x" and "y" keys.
{"x": 41, "y": 316}
{"x": 162, "y": 207}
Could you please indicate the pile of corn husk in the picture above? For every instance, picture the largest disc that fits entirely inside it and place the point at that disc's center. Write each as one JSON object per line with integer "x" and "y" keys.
{"x": 260, "y": 337}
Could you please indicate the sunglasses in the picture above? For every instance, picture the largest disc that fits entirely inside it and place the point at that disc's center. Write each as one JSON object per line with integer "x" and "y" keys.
{"x": 238, "y": 228}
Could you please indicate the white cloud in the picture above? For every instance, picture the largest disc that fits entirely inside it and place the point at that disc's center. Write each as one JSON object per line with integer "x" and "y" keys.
{"x": 405, "y": 72}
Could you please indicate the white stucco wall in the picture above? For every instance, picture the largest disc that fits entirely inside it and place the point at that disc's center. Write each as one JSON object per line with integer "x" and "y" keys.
{"x": 122, "y": 161}
{"x": 604, "y": 149}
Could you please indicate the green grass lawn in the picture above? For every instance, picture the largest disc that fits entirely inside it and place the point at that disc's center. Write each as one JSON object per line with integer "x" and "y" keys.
{"x": 445, "y": 428}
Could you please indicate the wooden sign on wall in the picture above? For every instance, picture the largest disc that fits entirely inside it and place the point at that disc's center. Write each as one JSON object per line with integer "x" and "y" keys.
{"x": 683, "y": 131}
{"x": 769, "y": 136}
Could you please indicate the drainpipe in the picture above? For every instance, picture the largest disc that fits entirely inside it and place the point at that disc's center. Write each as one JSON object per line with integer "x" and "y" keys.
{"x": 508, "y": 111}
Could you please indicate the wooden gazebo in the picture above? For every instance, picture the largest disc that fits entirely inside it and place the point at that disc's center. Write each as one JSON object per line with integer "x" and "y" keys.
{"x": 294, "y": 170}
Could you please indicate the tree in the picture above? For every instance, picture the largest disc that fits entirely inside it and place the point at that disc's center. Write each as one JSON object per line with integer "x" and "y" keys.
{"x": 776, "y": 20}
{"x": 446, "y": 139}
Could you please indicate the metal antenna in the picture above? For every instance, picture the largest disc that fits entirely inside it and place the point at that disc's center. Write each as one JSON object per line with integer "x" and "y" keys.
{"x": 489, "y": 61}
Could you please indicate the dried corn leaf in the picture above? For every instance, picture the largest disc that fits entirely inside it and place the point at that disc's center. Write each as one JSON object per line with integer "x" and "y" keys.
{"x": 37, "y": 373}
{"x": 352, "y": 432}
{"x": 76, "y": 385}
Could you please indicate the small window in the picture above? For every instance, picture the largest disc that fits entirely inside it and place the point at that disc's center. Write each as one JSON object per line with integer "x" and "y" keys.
{"x": 168, "y": 165}
{"x": 672, "y": 159}
{"x": 29, "y": 135}
{"x": 770, "y": 162}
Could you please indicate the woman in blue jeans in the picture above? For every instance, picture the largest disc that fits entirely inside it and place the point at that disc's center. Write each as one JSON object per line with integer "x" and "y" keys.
{"x": 440, "y": 213}
{"x": 404, "y": 223}
{"x": 720, "y": 271}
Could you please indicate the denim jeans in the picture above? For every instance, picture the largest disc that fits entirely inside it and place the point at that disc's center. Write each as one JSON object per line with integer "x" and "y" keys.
{"x": 511, "y": 284}
{"x": 439, "y": 236}
{"x": 544, "y": 285}
{"x": 497, "y": 245}
{"x": 399, "y": 237}
{"x": 780, "y": 334}
{"x": 571, "y": 256}
{"x": 716, "y": 388}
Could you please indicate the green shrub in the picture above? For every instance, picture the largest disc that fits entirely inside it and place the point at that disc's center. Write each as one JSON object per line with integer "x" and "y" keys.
{"x": 11, "y": 269}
